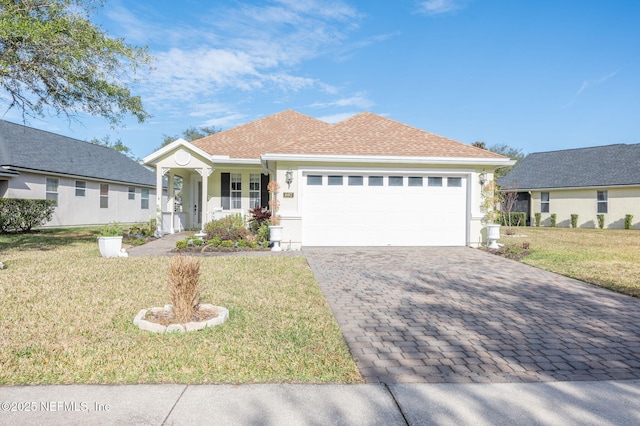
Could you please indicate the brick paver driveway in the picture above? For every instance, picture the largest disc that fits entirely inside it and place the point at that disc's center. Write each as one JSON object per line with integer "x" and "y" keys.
{"x": 462, "y": 315}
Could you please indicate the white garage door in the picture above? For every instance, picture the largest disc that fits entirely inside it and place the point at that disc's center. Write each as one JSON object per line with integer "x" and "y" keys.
{"x": 380, "y": 210}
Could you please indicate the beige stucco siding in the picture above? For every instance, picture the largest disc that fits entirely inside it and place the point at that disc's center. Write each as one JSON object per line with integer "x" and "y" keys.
{"x": 564, "y": 203}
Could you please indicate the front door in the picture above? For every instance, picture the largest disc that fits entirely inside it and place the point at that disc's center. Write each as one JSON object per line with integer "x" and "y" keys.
{"x": 196, "y": 201}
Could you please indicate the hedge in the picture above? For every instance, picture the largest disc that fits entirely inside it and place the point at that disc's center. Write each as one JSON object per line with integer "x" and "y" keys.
{"x": 19, "y": 215}
{"x": 517, "y": 219}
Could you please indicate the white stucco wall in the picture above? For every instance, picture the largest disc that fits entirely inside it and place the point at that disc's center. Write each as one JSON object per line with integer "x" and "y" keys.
{"x": 564, "y": 203}
{"x": 74, "y": 210}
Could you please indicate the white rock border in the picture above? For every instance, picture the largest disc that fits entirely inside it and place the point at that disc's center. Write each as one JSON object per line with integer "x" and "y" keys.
{"x": 153, "y": 327}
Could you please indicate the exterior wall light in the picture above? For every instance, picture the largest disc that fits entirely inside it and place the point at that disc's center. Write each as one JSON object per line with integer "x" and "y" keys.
{"x": 483, "y": 177}
{"x": 289, "y": 178}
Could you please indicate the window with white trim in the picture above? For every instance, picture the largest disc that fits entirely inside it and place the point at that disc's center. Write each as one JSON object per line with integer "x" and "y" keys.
{"x": 375, "y": 181}
{"x": 314, "y": 180}
{"x": 132, "y": 192}
{"x": 396, "y": 181}
{"x": 454, "y": 182}
{"x": 81, "y": 188}
{"x": 434, "y": 181}
{"x": 52, "y": 190}
{"x": 254, "y": 190}
{"x": 334, "y": 180}
{"x": 356, "y": 181}
{"x": 236, "y": 190}
{"x": 144, "y": 198}
{"x": 104, "y": 195}
{"x": 603, "y": 201}
{"x": 415, "y": 180}
{"x": 544, "y": 202}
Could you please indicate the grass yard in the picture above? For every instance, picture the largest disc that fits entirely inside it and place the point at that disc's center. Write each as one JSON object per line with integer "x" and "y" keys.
{"x": 609, "y": 258}
{"x": 66, "y": 317}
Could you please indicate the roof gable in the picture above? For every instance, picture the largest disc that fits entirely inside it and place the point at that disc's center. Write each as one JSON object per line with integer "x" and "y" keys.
{"x": 609, "y": 165}
{"x": 28, "y": 148}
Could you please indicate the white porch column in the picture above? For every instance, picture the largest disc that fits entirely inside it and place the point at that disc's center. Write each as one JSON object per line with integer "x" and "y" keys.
{"x": 171, "y": 204}
{"x": 206, "y": 172}
{"x": 160, "y": 171}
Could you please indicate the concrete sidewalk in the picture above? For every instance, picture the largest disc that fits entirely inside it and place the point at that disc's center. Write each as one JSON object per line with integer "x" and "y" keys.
{"x": 557, "y": 403}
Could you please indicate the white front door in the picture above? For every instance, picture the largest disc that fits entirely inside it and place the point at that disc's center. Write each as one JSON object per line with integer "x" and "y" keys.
{"x": 396, "y": 209}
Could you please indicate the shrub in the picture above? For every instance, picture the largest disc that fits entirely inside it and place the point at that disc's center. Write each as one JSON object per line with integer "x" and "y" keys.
{"x": 628, "y": 221}
{"x": 142, "y": 229}
{"x": 112, "y": 229}
{"x": 182, "y": 244}
{"x": 538, "y": 218}
{"x": 18, "y": 215}
{"x": 184, "y": 287}
{"x": 263, "y": 234}
{"x": 513, "y": 219}
{"x": 228, "y": 228}
{"x": 574, "y": 220}
{"x": 227, "y": 244}
{"x": 553, "y": 219}
{"x": 600, "y": 221}
{"x": 259, "y": 215}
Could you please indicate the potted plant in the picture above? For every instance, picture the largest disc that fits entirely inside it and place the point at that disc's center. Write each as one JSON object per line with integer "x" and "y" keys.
{"x": 110, "y": 240}
{"x": 275, "y": 229}
{"x": 491, "y": 199}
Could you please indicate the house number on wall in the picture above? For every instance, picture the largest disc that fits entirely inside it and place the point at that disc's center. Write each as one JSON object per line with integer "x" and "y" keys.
{"x": 287, "y": 194}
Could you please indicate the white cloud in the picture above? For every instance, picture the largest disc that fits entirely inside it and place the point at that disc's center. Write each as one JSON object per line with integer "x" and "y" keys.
{"x": 359, "y": 100}
{"x": 586, "y": 84}
{"x": 336, "y": 118}
{"x": 439, "y": 7}
{"x": 225, "y": 122}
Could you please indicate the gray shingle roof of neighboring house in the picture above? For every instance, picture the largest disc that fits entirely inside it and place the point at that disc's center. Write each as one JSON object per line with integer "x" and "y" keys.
{"x": 23, "y": 147}
{"x": 610, "y": 165}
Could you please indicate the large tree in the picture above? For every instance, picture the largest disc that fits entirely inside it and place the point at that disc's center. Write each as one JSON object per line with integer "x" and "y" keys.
{"x": 54, "y": 59}
{"x": 503, "y": 149}
{"x": 118, "y": 145}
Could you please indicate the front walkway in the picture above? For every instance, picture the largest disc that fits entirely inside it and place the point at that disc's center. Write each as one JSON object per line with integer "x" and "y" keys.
{"x": 444, "y": 315}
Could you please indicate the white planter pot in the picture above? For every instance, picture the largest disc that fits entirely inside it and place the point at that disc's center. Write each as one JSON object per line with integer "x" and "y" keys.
{"x": 493, "y": 235}
{"x": 275, "y": 236}
{"x": 110, "y": 246}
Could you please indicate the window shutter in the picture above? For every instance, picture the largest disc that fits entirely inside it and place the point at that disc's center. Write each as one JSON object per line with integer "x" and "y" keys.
{"x": 264, "y": 194}
{"x": 225, "y": 190}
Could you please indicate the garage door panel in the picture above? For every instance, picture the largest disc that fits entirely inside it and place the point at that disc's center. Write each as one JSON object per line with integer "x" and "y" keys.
{"x": 376, "y": 216}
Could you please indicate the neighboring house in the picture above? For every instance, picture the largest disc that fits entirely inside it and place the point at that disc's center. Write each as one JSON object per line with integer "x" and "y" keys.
{"x": 91, "y": 184}
{"x": 585, "y": 181}
{"x": 365, "y": 181}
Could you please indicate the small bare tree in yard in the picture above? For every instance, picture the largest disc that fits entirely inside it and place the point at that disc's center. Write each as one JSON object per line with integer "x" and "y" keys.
{"x": 184, "y": 287}
{"x": 509, "y": 201}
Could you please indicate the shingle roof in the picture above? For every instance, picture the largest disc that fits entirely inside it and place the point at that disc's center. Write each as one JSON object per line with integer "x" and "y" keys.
{"x": 373, "y": 135}
{"x": 290, "y": 132}
{"x": 608, "y": 165}
{"x": 28, "y": 148}
{"x": 258, "y": 137}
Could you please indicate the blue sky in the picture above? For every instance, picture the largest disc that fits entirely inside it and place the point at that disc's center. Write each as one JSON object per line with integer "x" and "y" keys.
{"x": 535, "y": 75}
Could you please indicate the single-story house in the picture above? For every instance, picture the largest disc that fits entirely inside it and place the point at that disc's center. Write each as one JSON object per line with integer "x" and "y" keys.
{"x": 585, "y": 181}
{"x": 90, "y": 184}
{"x": 365, "y": 181}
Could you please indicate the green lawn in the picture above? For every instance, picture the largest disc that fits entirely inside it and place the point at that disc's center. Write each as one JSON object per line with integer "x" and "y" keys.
{"x": 66, "y": 317}
{"x": 609, "y": 258}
